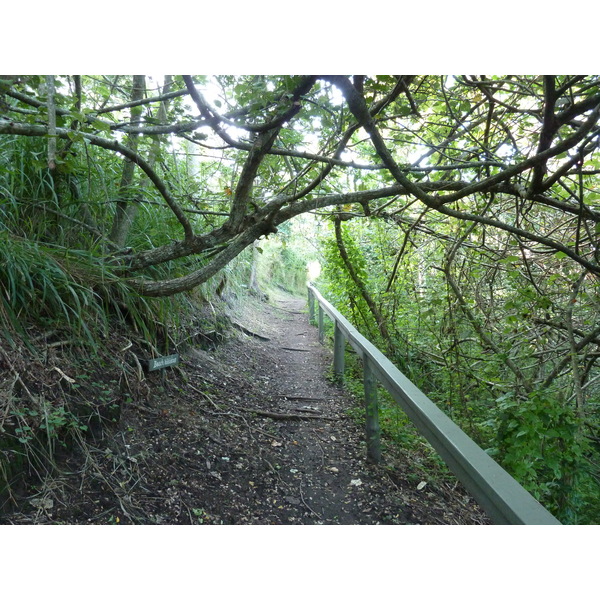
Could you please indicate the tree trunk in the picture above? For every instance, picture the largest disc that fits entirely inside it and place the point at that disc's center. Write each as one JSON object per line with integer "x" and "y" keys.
{"x": 253, "y": 284}
{"x": 124, "y": 214}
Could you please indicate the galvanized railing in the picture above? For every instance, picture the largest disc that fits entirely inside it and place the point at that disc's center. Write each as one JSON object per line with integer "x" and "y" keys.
{"x": 504, "y": 500}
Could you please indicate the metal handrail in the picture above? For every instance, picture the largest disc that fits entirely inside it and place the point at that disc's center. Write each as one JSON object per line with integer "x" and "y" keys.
{"x": 503, "y": 499}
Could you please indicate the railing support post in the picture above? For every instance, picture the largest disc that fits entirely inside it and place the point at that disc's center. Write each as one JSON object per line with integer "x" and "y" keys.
{"x": 311, "y": 306}
{"x": 339, "y": 346}
{"x": 373, "y": 432}
{"x": 321, "y": 327}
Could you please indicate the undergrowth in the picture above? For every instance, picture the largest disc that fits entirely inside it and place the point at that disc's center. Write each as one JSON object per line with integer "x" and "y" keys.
{"x": 48, "y": 287}
{"x": 73, "y": 338}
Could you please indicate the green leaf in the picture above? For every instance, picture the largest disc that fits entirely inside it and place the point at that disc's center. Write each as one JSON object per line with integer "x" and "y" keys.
{"x": 100, "y": 126}
{"x": 592, "y": 198}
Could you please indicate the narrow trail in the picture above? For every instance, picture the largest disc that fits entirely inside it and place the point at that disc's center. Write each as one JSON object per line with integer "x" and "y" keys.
{"x": 318, "y": 459}
{"x": 250, "y": 432}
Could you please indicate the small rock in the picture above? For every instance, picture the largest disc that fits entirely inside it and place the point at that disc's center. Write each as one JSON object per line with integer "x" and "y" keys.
{"x": 43, "y": 503}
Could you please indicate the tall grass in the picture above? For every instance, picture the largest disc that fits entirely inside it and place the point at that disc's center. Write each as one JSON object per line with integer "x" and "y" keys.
{"x": 52, "y": 287}
{"x": 54, "y": 271}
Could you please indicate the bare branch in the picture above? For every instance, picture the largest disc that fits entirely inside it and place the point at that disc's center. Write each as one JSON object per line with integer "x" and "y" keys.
{"x": 51, "y": 123}
{"x": 142, "y": 101}
{"x": 13, "y": 128}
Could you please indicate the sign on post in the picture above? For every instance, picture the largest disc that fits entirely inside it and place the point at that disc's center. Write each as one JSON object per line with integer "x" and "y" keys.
{"x": 154, "y": 364}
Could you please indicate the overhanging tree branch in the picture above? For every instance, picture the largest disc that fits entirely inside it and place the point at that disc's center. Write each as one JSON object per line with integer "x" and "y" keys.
{"x": 393, "y": 115}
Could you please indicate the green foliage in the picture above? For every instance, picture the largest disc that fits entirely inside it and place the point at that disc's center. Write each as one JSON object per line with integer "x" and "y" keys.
{"x": 56, "y": 267}
{"x": 282, "y": 266}
{"x": 541, "y": 440}
{"x": 339, "y": 285}
{"x": 540, "y": 445}
{"x": 32, "y": 429}
{"x": 504, "y": 309}
{"x": 53, "y": 287}
{"x": 52, "y": 421}
{"x": 282, "y": 260}
{"x": 35, "y": 283}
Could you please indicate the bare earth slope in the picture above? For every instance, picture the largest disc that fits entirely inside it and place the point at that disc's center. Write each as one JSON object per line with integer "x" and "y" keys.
{"x": 250, "y": 433}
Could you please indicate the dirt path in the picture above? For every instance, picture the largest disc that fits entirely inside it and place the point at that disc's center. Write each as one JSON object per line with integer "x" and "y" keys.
{"x": 252, "y": 432}
{"x": 313, "y": 469}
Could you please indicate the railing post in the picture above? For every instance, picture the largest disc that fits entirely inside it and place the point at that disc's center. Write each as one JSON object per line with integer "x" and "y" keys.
{"x": 321, "y": 327}
{"x": 372, "y": 413}
{"x": 311, "y": 306}
{"x": 339, "y": 346}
